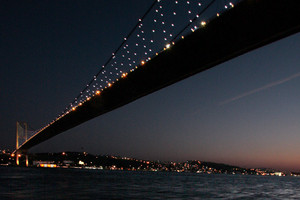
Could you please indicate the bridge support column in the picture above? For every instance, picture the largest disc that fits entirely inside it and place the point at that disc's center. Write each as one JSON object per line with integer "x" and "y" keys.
{"x": 27, "y": 162}
{"x": 17, "y": 158}
{"x": 19, "y": 154}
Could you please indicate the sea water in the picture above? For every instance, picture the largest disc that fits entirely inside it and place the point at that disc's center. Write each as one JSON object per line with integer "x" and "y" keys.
{"x": 41, "y": 183}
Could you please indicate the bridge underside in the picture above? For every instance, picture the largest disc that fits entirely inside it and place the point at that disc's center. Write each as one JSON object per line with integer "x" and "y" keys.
{"x": 248, "y": 26}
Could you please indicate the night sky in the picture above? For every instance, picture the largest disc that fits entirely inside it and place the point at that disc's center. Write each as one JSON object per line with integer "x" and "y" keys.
{"x": 243, "y": 112}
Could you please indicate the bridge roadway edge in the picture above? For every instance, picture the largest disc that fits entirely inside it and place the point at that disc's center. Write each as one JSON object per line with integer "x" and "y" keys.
{"x": 250, "y": 25}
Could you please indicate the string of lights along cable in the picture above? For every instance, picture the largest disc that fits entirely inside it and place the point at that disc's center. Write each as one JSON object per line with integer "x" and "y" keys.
{"x": 164, "y": 23}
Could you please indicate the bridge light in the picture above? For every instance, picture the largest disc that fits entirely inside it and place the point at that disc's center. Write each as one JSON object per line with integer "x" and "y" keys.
{"x": 109, "y": 84}
{"x": 97, "y": 92}
{"x": 143, "y": 62}
{"x": 168, "y": 46}
{"x": 74, "y": 108}
{"x": 203, "y": 23}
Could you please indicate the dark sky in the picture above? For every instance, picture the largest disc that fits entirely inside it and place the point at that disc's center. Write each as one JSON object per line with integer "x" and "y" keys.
{"x": 244, "y": 112}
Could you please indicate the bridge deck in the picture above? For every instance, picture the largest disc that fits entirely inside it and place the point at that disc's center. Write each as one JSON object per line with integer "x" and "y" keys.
{"x": 248, "y": 26}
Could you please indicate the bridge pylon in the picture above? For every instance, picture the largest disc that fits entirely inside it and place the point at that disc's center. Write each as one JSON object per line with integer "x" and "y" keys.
{"x": 21, "y": 137}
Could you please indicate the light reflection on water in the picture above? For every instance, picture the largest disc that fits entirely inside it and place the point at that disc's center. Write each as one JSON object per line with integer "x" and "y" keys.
{"x": 38, "y": 183}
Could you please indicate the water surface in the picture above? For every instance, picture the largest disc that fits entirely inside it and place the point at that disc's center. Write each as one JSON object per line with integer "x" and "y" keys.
{"x": 39, "y": 183}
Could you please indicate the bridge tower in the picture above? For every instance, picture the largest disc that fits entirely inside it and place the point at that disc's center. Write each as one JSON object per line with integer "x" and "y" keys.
{"x": 21, "y": 137}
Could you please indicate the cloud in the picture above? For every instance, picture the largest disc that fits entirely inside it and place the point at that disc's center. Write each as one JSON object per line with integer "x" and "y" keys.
{"x": 260, "y": 89}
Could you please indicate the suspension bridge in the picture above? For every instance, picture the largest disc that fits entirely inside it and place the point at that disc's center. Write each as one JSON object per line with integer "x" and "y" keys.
{"x": 169, "y": 43}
